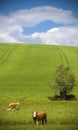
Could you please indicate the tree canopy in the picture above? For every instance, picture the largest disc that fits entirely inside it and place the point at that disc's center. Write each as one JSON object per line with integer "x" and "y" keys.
{"x": 64, "y": 81}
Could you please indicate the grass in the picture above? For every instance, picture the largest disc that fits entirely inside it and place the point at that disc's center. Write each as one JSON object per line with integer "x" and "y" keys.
{"x": 60, "y": 116}
{"x": 40, "y": 127}
{"x": 24, "y": 74}
{"x": 58, "y": 112}
{"x": 23, "y": 67}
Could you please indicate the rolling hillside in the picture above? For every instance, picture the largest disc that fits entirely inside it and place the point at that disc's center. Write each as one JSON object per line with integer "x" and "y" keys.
{"x": 26, "y": 69}
{"x": 24, "y": 74}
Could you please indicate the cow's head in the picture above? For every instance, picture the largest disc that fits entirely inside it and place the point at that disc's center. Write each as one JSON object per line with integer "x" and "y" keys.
{"x": 34, "y": 115}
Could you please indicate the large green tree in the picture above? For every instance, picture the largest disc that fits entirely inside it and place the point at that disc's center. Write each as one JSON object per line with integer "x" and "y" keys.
{"x": 64, "y": 81}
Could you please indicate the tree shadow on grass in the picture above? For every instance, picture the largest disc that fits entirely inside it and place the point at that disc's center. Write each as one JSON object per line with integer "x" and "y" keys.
{"x": 57, "y": 97}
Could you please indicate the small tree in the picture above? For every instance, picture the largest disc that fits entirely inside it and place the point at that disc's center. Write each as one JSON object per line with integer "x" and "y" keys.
{"x": 64, "y": 81}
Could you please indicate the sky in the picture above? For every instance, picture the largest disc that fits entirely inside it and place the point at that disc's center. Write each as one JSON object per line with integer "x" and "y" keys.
{"x": 50, "y": 22}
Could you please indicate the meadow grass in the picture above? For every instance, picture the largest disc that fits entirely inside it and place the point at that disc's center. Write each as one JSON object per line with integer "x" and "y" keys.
{"x": 60, "y": 114}
{"x": 30, "y": 67}
{"x": 24, "y": 74}
{"x": 40, "y": 127}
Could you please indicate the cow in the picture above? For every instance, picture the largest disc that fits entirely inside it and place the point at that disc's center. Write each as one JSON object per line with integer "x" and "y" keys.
{"x": 39, "y": 116}
{"x": 13, "y": 106}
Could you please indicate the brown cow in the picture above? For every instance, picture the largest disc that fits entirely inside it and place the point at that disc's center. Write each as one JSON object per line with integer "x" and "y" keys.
{"x": 39, "y": 116}
{"x": 13, "y": 106}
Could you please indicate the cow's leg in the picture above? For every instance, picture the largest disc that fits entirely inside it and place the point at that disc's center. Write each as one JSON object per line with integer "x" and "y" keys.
{"x": 45, "y": 120}
{"x": 42, "y": 121}
{"x": 37, "y": 122}
{"x": 8, "y": 109}
{"x": 34, "y": 121}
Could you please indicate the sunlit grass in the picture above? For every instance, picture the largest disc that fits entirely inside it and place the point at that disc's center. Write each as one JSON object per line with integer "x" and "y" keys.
{"x": 24, "y": 74}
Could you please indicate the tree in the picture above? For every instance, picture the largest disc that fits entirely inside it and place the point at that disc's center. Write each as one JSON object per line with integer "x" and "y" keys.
{"x": 64, "y": 81}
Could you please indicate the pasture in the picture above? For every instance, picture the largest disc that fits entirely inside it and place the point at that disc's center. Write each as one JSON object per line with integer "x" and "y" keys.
{"x": 24, "y": 74}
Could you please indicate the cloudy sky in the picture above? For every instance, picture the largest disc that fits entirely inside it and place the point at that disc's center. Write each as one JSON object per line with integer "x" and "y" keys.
{"x": 51, "y": 22}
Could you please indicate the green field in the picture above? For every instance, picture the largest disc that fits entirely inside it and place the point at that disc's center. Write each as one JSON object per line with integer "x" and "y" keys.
{"x": 24, "y": 74}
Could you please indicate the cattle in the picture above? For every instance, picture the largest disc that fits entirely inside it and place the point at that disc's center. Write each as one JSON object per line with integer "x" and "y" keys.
{"x": 39, "y": 116}
{"x": 13, "y": 106}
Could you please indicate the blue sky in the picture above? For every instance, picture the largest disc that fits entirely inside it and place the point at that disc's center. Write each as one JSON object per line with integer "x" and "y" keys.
{"x": 52, "y": 22}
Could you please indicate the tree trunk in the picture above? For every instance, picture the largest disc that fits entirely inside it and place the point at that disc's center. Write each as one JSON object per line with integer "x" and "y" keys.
{"x": 63, "y": 95}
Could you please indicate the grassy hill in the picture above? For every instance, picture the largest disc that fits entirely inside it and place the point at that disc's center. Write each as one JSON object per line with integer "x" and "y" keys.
{"x": 24, "y": 74}
{"x": 26, "y": 69}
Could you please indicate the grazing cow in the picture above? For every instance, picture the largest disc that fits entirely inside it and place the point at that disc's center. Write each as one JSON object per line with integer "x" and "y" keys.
{"x": 13, "y": 106}
{"x": 39, "y": 116}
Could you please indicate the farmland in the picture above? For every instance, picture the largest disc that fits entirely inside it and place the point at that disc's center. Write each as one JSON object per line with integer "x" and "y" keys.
{"x": 24, "y": 74}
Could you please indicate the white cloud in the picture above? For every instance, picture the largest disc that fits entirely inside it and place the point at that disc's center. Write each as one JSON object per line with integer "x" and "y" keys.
{"x": 33, "y": 16}
{"x": 5, "y": 37}
{"x": 12, "y": 26}
{"x": 55, "y": 36}
{"x": 59, "y": 36}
